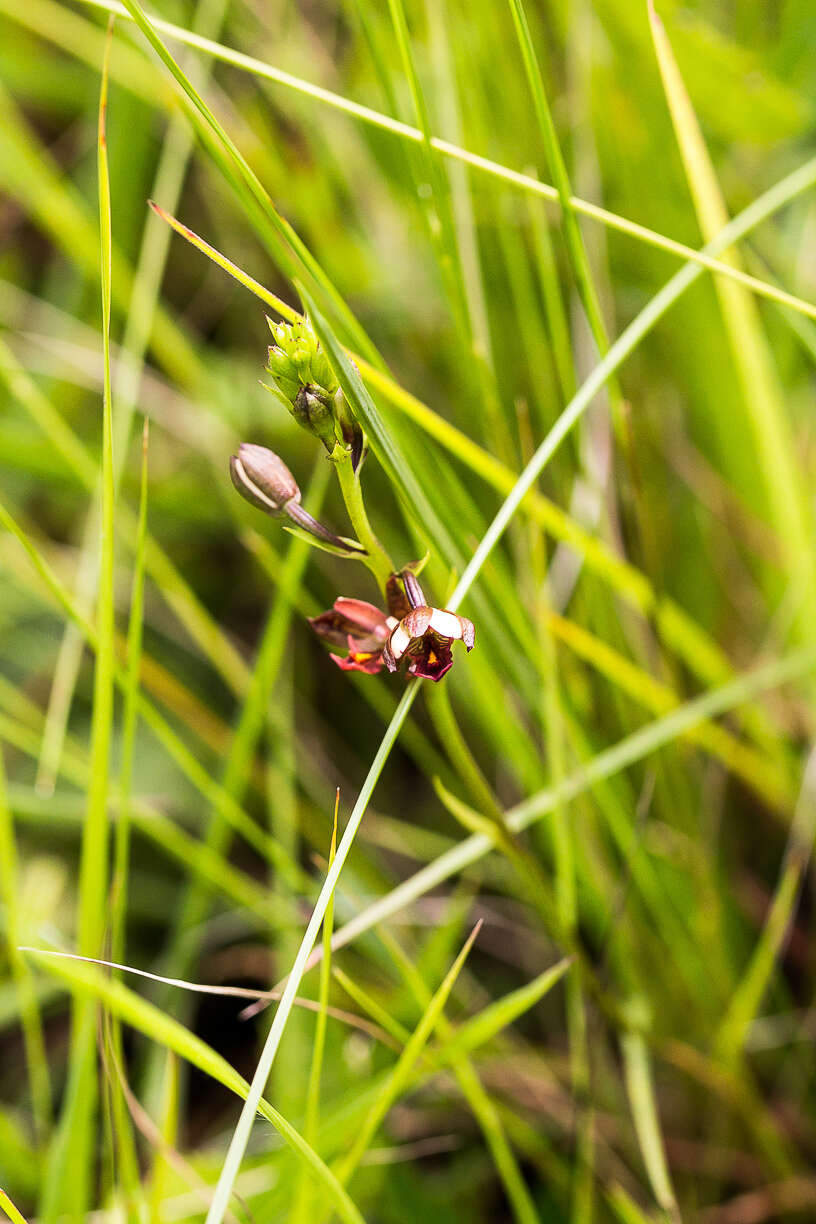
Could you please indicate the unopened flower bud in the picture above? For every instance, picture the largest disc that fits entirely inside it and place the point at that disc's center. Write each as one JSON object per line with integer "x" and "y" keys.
{"x": 263, "y": 478}
{"x": 314, "y": 410}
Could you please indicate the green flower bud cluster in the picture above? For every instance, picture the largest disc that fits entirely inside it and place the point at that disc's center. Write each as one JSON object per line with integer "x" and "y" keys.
{"x": 304, "y": 382}
{"x": 296, "y": 360}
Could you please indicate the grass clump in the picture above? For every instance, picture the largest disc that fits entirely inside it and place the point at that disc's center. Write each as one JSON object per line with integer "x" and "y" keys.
{"x": 527, "y": 287}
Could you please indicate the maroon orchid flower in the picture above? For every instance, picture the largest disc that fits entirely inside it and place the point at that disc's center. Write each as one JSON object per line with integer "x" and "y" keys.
{"x": 361, "y": 628}
{"x": 425, "y": 635}
{"x": 411, "y": 631}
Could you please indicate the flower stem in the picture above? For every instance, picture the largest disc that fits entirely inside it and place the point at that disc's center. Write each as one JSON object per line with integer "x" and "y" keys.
{"x": 378, "y": 560}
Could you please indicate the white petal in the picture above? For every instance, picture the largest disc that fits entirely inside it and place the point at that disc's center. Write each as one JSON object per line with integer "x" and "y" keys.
{"x": 446, "y": 624}
{"x": 399, "y": 642}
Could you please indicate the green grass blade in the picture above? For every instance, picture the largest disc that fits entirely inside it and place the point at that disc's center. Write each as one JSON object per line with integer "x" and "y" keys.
{"x": 35, "y": 1053}
{"x": 302, "y": 1210}
{"x": 747, "y": 997}
{"x": 555, "y": 160}
{"x": 639, "y": 1086}
{"x": 493, "y": 1019}
{"x": 68, "y": 1177}
{"x": 129, "y": 722}
{"x": 398, "y": 1080}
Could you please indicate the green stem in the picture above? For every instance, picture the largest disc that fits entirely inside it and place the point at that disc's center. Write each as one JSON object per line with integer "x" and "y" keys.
{"x": 378, "y": 560}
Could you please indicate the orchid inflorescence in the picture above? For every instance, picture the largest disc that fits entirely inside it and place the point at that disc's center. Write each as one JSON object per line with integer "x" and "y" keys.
{"x": 409, "y": 633}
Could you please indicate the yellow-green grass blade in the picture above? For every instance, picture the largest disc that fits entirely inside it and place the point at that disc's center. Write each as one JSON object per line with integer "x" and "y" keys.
{"x": 130, "y": 720}
{"x": 128, "y": 1158}
{"x": 10, "y": 1210}
{"x": 747, "y": 997}
{"x": 302, "y": 1210}
{"x": 576, "y": 250}
{"x": 441, "y": 220}
{"x": 493, "y": 1019}
{"x": 160, "y": 1173}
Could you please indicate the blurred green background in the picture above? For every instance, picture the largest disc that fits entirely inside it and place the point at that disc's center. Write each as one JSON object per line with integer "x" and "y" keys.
{"x": 668, "y": 550}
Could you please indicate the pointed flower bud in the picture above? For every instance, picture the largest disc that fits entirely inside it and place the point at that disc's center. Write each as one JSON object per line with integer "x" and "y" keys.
{"x": 262, "y": 478}
{"x": 313, "y": 410}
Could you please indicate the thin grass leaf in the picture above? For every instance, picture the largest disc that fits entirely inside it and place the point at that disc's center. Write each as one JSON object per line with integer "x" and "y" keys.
{"x": 30, "y": 1018}
{"x": 493, "y": 1019}
{"x": 747, "y": 998}
{"x": 397, "y": 1081}
{"x": 68, "y": 1177}
{"x": 640, "y": 1089}
{"x": 303, "y": 1200}
{"x": 555, "y": 160}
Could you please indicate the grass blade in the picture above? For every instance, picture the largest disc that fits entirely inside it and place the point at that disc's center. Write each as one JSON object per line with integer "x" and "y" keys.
{"x": 397, "y": 1081}
{"x": 67, "y": 1182}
